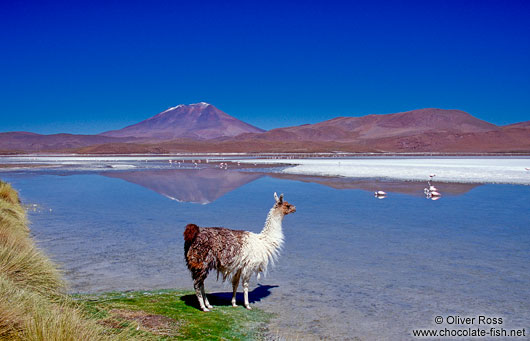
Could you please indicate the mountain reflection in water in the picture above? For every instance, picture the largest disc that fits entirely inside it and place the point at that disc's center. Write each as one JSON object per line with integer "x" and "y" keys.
{"x": 201, "y": 186}
{"x": 204, "y": 186}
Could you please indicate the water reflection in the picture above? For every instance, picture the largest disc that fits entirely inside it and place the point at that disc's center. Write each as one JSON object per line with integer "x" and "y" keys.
{"x": 206, "y": 185}
{"x": 201, "y": 186}
{"x": 414, "y": 188}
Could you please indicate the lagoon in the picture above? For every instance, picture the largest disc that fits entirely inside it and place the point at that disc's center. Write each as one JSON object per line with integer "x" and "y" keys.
{"x": 353, "y": 266}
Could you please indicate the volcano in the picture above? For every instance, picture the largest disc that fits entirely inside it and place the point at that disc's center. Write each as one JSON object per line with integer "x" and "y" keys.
{"x": 199, "y": 121}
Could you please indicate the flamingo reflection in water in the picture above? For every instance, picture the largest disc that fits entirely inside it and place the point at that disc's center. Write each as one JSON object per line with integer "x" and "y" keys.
{"x": 431, "y": 192}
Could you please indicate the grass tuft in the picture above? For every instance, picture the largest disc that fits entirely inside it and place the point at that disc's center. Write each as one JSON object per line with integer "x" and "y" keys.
{"x": 30, "y": 316}
{"x": 28, "y": 268}
{"x": 8, "y": 194}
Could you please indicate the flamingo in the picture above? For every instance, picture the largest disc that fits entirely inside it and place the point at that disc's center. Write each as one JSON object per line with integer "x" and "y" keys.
{"x": 380, "y": 194}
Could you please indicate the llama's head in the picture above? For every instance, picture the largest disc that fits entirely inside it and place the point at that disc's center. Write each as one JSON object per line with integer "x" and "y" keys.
{"x": 282, "y": 205}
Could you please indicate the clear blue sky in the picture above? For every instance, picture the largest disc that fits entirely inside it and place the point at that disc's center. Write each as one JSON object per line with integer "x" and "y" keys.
{"x": 90, "y": 66}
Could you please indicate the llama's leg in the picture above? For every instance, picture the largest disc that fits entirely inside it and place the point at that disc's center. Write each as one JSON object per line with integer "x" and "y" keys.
{"x": 199, "y": 297}
{"x": 199, "y": 275}
{"x": 235, "y": 284}
{"x": 245, "y": 292}
{"x": 206, "y": 303}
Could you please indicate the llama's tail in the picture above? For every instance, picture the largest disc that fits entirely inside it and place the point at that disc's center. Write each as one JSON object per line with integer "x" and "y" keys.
{"x": 190, "y": 233}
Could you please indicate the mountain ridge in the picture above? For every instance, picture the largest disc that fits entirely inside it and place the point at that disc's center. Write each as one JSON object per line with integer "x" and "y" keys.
{"x": 201, "y": 127}
{"x": 383, "y": 125}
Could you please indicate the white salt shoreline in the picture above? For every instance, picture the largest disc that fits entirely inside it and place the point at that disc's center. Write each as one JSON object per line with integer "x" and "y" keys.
{"x": 490, "y": 170}
{"x": 502, "y": 170}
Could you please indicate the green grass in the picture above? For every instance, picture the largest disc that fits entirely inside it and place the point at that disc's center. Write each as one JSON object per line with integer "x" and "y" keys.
{"x": 222, "y": 323}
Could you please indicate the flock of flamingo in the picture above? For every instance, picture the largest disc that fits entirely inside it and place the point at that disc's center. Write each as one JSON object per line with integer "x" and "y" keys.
{"x": 430, "y": 191}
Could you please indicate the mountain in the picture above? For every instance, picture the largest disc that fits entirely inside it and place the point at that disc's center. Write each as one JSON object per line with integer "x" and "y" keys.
{"x": 422, "y": 131}
{"x": 520, "y": 125}
{"x": 21, "y": 141}
{"x": 194, "y": 121}
{"x": 381, "y": 126}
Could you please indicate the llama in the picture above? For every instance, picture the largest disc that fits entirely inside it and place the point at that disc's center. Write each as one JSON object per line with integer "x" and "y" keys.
{"x": 233, "y": 253}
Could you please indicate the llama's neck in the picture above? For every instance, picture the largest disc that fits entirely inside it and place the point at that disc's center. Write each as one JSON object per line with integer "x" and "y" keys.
{"x": 264, "y": 248}
{"x": 272, "y": 231}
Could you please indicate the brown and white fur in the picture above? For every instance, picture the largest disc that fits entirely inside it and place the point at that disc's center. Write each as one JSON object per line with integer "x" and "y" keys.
{"x": 233, "y": 253}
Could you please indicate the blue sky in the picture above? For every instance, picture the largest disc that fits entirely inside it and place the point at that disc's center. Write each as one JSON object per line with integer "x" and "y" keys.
{"x": 90, "y": 66}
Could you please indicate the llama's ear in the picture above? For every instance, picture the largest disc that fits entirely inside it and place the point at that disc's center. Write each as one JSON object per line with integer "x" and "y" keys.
{"x": 276, "y": 197}
{"x": 281, "y": 197}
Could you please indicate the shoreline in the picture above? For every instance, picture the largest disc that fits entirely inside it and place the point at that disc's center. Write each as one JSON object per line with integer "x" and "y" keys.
{"x": 466, "y": 170}
{"x": 268, "y": 154}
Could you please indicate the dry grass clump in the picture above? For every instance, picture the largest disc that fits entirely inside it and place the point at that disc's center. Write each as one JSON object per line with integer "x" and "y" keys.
{"x": 12, "y": 214}
{"x": 32, "y": 305}
{"x": 20, "y": 260}
{"x": 27, "y": 315}
{"x": 8, "y": 194}
{"x": 28, "y": 268}
{"x": 12, "y": 310}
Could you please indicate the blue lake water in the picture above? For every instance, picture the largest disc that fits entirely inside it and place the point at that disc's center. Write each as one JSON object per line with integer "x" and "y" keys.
{"x": 353, "y": 266}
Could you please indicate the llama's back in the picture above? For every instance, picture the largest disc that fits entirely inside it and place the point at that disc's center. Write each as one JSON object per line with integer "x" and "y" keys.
{"x": 208, "y": 248}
